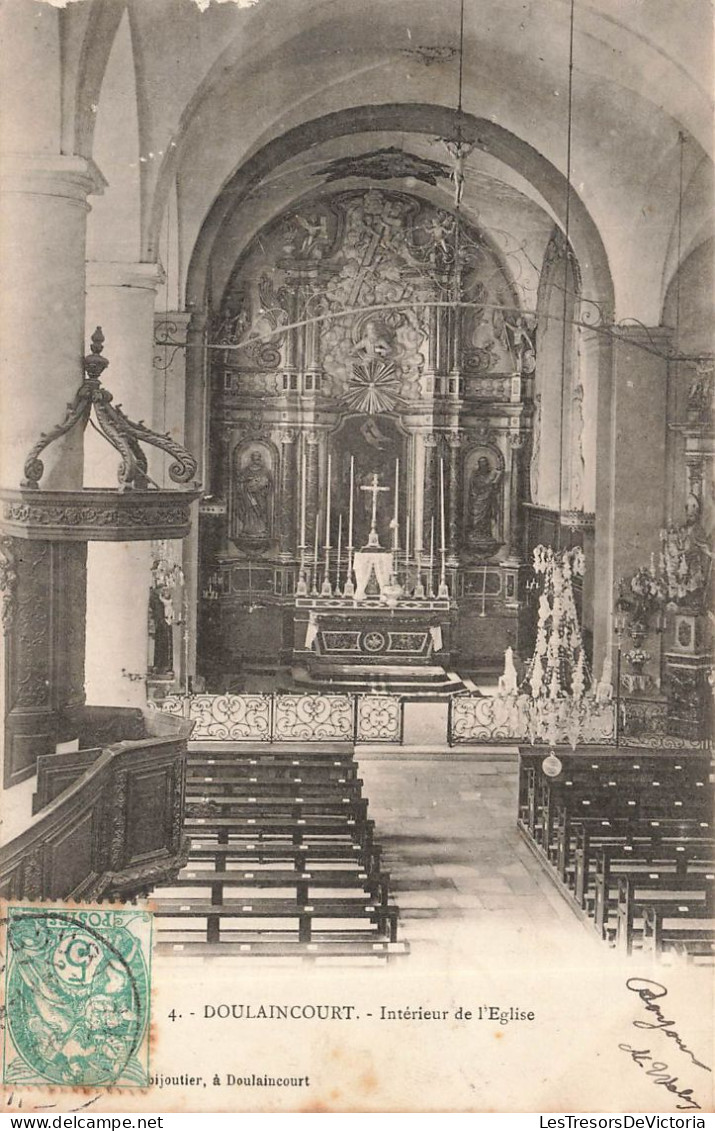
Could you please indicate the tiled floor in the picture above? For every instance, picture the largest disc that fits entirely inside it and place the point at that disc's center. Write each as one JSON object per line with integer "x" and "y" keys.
{"x": 463, "y": 878}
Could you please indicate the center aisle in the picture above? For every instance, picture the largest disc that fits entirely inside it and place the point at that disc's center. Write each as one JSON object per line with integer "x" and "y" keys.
{"x": 466, "y": 884}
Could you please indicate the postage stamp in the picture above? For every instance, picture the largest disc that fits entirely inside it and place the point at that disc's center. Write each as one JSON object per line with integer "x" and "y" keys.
{"x": 77, "y": 996}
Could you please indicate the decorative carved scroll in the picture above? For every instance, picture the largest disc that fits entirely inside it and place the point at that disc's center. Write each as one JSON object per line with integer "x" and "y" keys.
{"x": 121, "y": 432}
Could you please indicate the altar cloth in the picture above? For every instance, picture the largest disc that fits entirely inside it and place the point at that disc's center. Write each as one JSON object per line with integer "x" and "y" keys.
{"x": 364, "y": 562}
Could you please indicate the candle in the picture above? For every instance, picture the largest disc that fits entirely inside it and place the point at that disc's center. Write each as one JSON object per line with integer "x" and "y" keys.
{"x": 431, "y": 553}
{"x": 350, "y": 514}
{"x": 302, "y": 502}
{"x": 315, "y": 552}
{"x": 327, "y": 505}
{"x": 397, "y": 504}
{"x": 407, "y": 546}
{"x": 340, "y": 546}
{"x": 441, "y": 499}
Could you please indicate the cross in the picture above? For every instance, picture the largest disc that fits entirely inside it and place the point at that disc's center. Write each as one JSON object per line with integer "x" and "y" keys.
{"x": 374, "y": 489}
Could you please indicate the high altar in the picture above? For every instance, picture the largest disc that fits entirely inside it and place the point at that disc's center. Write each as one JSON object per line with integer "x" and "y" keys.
{"x": 369, "y": 492}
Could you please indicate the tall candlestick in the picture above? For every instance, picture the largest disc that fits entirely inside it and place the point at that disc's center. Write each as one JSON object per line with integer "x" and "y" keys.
{"x": 340, "y": 546}
{"x": 407, "y": 546}
{"x": 327, "y": 505}
{"x": 315, "y": 554}
{"x": 303, "y": 484}
{"x": 349, "y": 590}
{"x": 396, "y": 516}
{"x": 441, "y": 500}
{"x": 350, "y": 510}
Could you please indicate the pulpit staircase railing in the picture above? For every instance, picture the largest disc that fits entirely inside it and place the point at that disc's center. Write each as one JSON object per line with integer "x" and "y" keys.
{"x": 108, "y": 817}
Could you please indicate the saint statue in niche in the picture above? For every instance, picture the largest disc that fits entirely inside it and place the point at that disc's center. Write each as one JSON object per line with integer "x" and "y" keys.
{"x": 253, "y": 496}
{"x": 483, "y": 505}
{"x": 160, "y": 630}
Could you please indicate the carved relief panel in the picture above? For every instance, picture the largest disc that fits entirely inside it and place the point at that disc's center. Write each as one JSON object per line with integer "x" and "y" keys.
{"x": 252, "y": 493}
{"x": 483, "y": 499}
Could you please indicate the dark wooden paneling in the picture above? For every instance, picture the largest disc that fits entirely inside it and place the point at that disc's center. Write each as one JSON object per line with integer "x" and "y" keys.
{"x": 44, "y": 676}
{"x": 117, "y": 829}
{"x": 56, "y": 771}
{"x": 149, "y": 811}
{"x": 68, "y": 855}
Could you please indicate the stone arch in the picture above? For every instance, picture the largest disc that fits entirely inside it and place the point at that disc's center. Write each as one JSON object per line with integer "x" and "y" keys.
{"x": 547, "y": 181}
{"x": 404, "y": 118}
{"x": 553, "y": 472}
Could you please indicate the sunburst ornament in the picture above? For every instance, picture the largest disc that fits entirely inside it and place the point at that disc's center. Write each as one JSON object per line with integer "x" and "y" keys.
{"x": 374, "y": 387}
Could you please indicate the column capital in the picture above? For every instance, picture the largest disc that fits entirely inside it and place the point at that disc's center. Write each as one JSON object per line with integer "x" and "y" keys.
{"x": 138, "y": 276}
{"x": 39, "y": 174}
{"x": 517, "y": 440}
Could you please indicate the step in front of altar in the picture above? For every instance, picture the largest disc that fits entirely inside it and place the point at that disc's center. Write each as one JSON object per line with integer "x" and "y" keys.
{"x": 398, "y": 679}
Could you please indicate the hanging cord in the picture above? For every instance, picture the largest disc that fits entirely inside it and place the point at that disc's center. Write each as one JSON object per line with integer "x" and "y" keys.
{"x": 461, "y": 60}
{"x": 567, "y": 232}
{"x": 166, "y": 318}
{"x": 457, "y": 295}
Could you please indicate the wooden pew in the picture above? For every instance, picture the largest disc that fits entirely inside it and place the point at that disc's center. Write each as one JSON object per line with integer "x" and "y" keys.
{"x": 673, "y": 896}
{"x": 677, "y": 837}
{"x": 692, "y": 934}
{"x": 673, "y": 858}
{"x": 350, "y": 853}
{"x": 611, "y": 814}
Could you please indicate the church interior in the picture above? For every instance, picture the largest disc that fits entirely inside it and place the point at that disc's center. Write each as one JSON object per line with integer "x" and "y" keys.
{"x": 357, "y": 471}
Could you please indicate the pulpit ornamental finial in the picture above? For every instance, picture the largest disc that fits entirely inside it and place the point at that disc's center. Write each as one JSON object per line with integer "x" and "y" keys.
{"x": 121, "y": 432}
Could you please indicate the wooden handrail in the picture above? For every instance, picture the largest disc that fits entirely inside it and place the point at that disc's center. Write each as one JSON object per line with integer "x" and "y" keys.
{"x": 117, "y": 829}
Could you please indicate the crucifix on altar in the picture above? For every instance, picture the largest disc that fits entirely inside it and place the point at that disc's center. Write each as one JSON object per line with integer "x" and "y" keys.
{"x": 373, "y": 540}
{"x": 365, "y": 604}
{"x": 342, "y": 570}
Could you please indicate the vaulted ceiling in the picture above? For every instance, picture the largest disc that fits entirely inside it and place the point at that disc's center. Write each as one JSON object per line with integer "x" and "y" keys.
{"x": 228, "y": 115}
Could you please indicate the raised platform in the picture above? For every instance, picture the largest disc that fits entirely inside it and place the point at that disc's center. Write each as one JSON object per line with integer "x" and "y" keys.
{"x": 409, "y": 680}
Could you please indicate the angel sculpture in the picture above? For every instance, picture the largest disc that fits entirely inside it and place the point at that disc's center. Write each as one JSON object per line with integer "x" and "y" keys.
{"x": 316, "y": 235}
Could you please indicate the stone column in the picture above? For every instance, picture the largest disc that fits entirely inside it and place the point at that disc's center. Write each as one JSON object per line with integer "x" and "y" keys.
{"x": 43, "y": 222}
{"x": 196, "y": 440}
{"x": 419, "y": 490}
{"x": 312, "y": 454}
{"x": 120, "y": 298}
{"x": 515, "y": 531}
{"x": 630, "y": 487}
{"x": 288, "y": 495}
{"x": 431, "y": 491}
{"x": 452, "y": 475}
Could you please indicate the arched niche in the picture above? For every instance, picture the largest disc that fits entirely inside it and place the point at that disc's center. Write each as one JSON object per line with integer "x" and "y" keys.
{"x": 483, "y": 499}
{"x": 251, "y": 493}
{"x": 557, "y": 465}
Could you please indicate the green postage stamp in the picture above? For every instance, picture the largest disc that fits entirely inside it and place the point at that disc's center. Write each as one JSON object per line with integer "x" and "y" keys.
{"x": 77, "y": 996}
